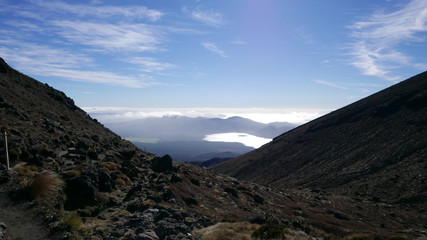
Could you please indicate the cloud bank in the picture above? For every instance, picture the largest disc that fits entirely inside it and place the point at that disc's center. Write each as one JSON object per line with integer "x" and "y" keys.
{"x": 263, "y": 115}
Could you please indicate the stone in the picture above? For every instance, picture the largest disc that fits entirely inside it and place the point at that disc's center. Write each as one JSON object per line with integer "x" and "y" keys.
{"x": 338, "y": 214}
{"x": 162, "y": 164}
{"x": 258, "y": 199}
{"x": 148, "y": 235}
{"x": 80, "y": 193}
{"x": 3, "y": 227}
{"x": 175, "y": 178}
{"x": 106, "y": 183}
{"x": 231, "y": 191}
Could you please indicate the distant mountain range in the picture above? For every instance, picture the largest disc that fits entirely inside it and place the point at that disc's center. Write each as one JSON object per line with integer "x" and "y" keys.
{"x": 179, "y": 128}
{"x": 191, "y": 151}
{"x": 182, "y": 137}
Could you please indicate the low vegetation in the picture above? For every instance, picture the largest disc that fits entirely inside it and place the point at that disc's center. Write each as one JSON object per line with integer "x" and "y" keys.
{"x": 227, "y": 231}
{"x": 47, "y": 188}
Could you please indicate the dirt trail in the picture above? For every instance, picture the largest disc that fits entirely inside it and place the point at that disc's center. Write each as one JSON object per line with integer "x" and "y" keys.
{"x": 22, "y": 221}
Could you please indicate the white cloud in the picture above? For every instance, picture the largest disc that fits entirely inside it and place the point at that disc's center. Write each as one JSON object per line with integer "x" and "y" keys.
{"x": 359, "y": 86}
{"x": 239, "y": 42}
{"x": 80, "y": 42}
{"x": 49, "y": 62}
{"x": 150, "y": 64}
{"x": 29, "y": 55}
{"x": 244, "y": 138}
{"x": 112, "y": 37}
{"x": 263, "y": 115}
{"x": 214, "y": 48}
{"x": 375, "y": 49}
{"x": 208, "y": 17}
{"x": 330, "y": 84}
{"x": 138, "y": 12}
{"x": 102, "y": 77}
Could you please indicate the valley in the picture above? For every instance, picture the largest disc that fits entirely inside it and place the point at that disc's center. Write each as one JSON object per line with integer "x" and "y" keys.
{"x": 189, "y": 139}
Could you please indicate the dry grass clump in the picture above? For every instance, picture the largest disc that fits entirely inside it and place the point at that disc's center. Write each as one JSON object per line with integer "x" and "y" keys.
{"x": 72, "y": 173}
{"x": 110, "y": 166}
{"x": 123, "y": 180}
{"x": 25, "y": 170}
{"x": 269, "y": 231}
{"x": 72, "y": 222}
{"x": 47, "y": 188}
{"x": 365, "y": 236}
{"x": 227, "y": 231}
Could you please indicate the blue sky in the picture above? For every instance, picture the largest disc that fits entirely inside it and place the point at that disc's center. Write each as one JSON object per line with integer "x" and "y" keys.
{"x": 238, "y": 54}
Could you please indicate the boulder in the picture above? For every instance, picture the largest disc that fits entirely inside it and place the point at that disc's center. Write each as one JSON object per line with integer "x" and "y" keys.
{"x": 163, "y": 164}
{"x": 106, "y": 183}
{"x": 80, "y": 193}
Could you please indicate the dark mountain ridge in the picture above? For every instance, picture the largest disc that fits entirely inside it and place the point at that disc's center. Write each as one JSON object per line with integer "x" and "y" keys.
{"x": 374, "y": 148}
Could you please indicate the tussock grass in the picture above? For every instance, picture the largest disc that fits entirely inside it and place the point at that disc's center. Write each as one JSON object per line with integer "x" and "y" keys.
{"x": 25, "y": 170}
{"x": 269, "y": 231}
{"x": 47, "y": 188}
{"x": 227, "y": 231}
{"x": 110, "y": 166}
{"x": 366, "y": 236}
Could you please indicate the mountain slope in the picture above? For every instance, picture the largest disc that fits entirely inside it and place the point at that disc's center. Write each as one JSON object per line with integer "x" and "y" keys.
{"x": 81, "y": 181}
{"x": 374, "y": 148}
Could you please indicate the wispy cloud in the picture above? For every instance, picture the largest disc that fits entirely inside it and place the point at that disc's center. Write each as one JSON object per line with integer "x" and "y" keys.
{"x": 118, "y": 37}
{"x": 330, "y": 84}
{"x": 208, "y": 17}
{"x": 360, "y": 87}
{"x": 239, "y": 42}
{"x": 137, "y": 12}
{"x": 375, "y": 49}
{"x": 49, "y": 62}
{"x": 29, "y": 54}
{"x": 79, "y": 39}
{"x": 214, "y": 48}
{"x": 150, "y": 64}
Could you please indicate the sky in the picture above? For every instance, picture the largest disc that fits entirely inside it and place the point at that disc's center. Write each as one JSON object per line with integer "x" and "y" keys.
{"x": 289, "y": 60}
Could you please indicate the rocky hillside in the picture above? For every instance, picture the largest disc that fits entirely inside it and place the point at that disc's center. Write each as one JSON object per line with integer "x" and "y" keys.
{"x": 71, "y": 178}
{"x": 374, "y": 149}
